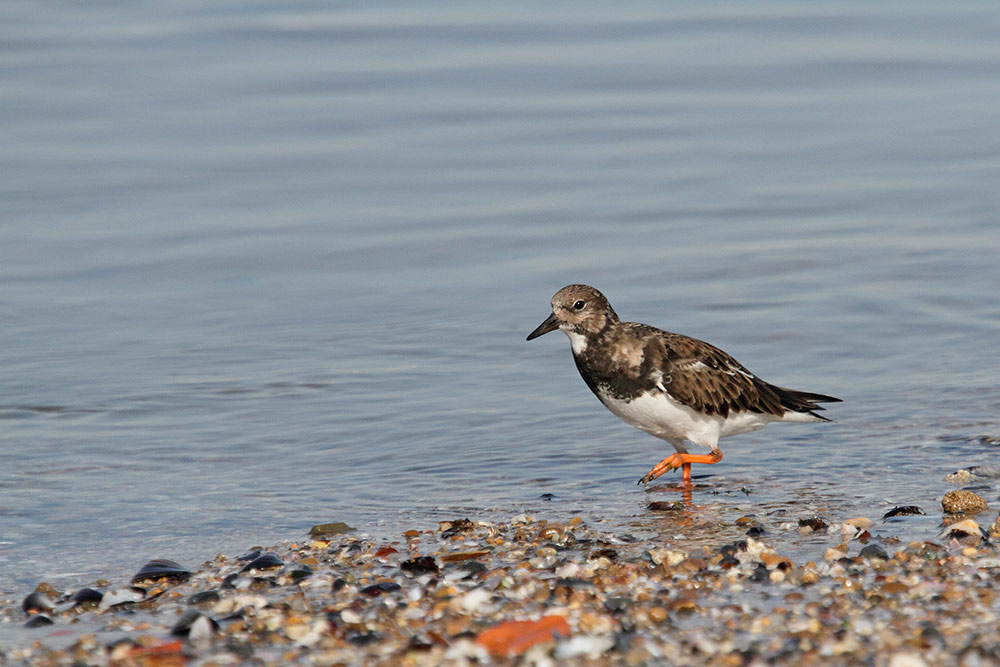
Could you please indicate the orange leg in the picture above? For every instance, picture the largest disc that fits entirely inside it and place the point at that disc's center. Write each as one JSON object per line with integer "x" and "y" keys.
{"x": 682, "y": 461}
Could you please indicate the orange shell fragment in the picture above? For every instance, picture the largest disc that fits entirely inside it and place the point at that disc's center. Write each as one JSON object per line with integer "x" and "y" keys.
{"x": 516, "y": 637}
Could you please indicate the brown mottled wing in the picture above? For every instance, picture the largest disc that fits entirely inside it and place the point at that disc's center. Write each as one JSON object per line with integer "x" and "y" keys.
{"x": 708, "y": 380}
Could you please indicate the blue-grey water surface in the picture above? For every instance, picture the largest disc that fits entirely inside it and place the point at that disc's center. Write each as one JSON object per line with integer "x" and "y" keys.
{"x": 265, "y": 265}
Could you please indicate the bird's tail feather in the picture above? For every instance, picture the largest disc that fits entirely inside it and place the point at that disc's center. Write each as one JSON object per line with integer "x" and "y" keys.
{"x": 804, "y": 401}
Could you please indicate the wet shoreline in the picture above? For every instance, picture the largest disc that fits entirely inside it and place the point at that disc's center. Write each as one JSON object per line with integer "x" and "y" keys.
{"x": 707, "y": 586}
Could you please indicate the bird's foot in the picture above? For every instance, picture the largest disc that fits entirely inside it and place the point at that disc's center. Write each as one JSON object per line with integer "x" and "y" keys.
{"x": 682, "y": 461}
{"x": 672, "y": 462}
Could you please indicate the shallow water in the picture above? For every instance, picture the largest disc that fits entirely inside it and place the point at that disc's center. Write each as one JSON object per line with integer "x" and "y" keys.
{"x": 268, "y": 266}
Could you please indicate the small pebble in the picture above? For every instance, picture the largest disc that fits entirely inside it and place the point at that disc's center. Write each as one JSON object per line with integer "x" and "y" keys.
{"x": 591, "y": 647}
{"x": 327, "y": 529}
{"x": 962, "y": 501}
{"x": 874, "y": 551}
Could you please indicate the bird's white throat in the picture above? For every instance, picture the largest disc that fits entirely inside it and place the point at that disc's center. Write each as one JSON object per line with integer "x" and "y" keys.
{"x": 576, "y": 341}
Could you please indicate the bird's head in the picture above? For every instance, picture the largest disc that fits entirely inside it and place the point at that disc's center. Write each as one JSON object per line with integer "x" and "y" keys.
{"x": 577, "y": 309}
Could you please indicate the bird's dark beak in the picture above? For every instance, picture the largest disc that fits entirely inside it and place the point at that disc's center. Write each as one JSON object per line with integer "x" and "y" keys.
{"x": 551, "y": 323}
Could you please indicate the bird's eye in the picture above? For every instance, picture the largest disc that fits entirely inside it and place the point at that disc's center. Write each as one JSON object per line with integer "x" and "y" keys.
{"x": 579, "y": 305}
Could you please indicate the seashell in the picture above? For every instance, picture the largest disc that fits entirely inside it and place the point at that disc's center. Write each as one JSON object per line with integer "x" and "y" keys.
{"x": 454, "y": 527}
{"x": 263, "y": 562}
{"x": 381, "y": 587}
{"x": 961, "y": 529}
{"x": 122, "y": 596}
{"x": 189, "y": 620}
{"x": 905, "y": 510}
{"x": 420, "y": 565}
{"x": 39, "y": 621}
{"x": 86, "y": 596}
{"x": 37, "y": 603}
{"x": 161, "y": 568}
{"x": 813, "y": 523}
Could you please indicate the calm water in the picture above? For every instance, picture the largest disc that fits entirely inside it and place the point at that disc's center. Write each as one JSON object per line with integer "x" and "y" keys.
{"x": 266, "y": 265}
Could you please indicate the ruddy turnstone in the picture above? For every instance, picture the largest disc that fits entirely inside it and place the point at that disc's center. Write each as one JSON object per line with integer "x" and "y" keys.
{"x": 677, "y": 388}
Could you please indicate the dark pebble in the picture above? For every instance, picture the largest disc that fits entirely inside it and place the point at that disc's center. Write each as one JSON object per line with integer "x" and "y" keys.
{"x": 473, "y": 567}
{"x": 297, "y": 571}
{"x": 381, "y": 587}
{"x": 420, "y": 565}
{"x": 616, "y": 606}
{"x": 816, "y": 523}
{"x": 240, "y": 649}
{"x": 665, "y": 506}
{"x": 756, "y": 531}
{"x": 418, "y": 644}
{"x": 848, "y": 564}
{"x": 37, "y": 602}
{"x": 263, "y": 583}
{"x": 760, "y": 573}
{"x": 161, "y": 568}
{"x": 229, "y": 581}
{"x": 39, "y": 621}
{"x": 547, "y": 496}
{"x": 874, "y": 551}
{"x": 728, "y": 550}
{"x": 252, "y": 555}
{"x": 728, "y": 562}
{"x": 263, "y": 562}
{"x": 623, "y": 642}
{"x": 204, "y": 597}
{"x": 931, "y": 637}
{"x": 359, "y": 639}
{"x": 573, "y": 583}
{"x": 905, "y": 510}
{"x": 338, "y": 584}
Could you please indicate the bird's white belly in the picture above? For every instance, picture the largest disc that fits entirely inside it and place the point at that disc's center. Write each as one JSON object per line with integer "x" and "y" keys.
{"x": 660, "y": 415}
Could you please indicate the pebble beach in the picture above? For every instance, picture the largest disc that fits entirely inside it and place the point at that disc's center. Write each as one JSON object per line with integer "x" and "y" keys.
{"x": 714, "y": 584}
